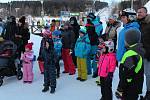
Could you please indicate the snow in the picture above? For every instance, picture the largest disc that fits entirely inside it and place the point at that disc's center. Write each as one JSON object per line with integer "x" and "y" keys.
{"x": 148, "y": 6}
{"x": 68, "y": 88}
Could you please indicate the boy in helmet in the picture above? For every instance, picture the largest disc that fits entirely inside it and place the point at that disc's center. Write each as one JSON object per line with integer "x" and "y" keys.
{"x": 132, "y": 66}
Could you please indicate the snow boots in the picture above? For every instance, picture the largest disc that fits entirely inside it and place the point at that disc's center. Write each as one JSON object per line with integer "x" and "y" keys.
{"x": 118, "y": 94}
{"x": 147, "y": 96}
{"x": 46, "y": 88}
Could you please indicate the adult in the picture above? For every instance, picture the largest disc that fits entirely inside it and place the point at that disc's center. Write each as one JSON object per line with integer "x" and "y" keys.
{"x": 75, "y": 28}
{"x": 24, "y": 33}
{"x": 128, "y": 18}
{"x": 94, "y": 30}
{"x": 144, "y": 21}
{"x": 67, "y": 46}
{"x": 111, "y": 29}
{"x": 11, "y": 29}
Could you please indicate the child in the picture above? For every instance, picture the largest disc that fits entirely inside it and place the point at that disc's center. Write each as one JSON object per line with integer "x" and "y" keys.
{"x": 68, "y": 38}
{"x": 132, "y": 66}
{"x": 82, "y": 48}
{"x": 46, "y": 34}
{"x": 27, "y": 59}
{"x": 49, "y": 66}
{"x": 101, "y": 45}
{"x": 57, "y": 46}
{"x": 106, "y": 68}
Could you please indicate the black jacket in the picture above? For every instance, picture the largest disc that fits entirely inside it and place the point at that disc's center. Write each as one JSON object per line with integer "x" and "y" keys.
{"x": 128, "y": 72}
{"x": 11, "y": 29}
{"x": 68, "y": 39}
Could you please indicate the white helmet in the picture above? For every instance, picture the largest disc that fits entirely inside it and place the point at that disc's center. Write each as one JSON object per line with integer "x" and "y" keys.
{"x": 110, "y": 45}
{"x": 130, "y": 13}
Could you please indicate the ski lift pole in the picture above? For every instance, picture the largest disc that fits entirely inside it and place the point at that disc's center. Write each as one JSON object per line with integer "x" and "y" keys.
{"x": 132, "y": 4}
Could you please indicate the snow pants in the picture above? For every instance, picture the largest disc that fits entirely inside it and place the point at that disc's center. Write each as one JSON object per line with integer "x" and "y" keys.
{"x": 49, "y": 76}
{"x": 106, "y": 88}
{"x": 82, "y": 68}
{"x": 27, "y": 72}
{"x": 68, "y": 63}
{"x": 41, "y": 66}
{"x": 91, "y": 56}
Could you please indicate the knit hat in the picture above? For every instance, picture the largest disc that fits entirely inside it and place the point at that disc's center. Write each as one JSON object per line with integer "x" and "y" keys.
{"x": 132, "y": 36}
{"x": 91, "y": 15}
{"x": 83, "y": 30}
{"x": 29, "y": 46}
{"x": 113, "y": 17}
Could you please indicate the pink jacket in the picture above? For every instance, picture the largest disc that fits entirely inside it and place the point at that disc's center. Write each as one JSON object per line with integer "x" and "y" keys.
{"x": 28, "y": 57}
{"x": 106, "y": 64}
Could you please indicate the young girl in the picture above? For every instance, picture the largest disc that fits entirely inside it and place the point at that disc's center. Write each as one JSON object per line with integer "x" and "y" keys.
{"x": 82, "y": 48}
{"x": 106, "y": 68}
{"x": 49, "y": 66}
{"x": 46, "y": 34}
{"x": 27, "y": 59}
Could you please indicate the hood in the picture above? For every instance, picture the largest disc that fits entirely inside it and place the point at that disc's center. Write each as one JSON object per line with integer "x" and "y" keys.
{"x": 132, "y": 24}
{"x": 139, "y": 49}
{"x": 73, "y": 21}
{"x": 147, "y": 19}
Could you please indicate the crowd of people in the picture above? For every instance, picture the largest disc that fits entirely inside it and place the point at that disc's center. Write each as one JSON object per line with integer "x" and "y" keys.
{"x": 90, "y": 51}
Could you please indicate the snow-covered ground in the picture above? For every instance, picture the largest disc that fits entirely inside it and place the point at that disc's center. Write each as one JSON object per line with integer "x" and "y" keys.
{"x": 68, "y": 88}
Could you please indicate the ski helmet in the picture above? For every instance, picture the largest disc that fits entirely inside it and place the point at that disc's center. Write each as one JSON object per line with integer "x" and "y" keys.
{"x": 110, "y": 45}
{"x": 130, "y": 13}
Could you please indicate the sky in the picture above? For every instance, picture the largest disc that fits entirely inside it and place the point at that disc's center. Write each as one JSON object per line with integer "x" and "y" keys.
{"x": 39, "y": 0}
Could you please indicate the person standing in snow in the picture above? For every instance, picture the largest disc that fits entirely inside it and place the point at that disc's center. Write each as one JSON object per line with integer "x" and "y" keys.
{"x": 67, "y": 46}
{"x": 27, "y": 61}
{"x": 49, "y": 66}
{"x": 144, "y": 21}
{"x": 128, "y": 18}
{"x": 82, "y": 48}
{"x": 94, "y": 30}
{"x": 46, "y": 34}
{"x": 57, "y": 46}
{"x": 75, "y": 27}
{"x": 111, "y": 29}
{"x": 132, "y": 66}
{"x": 106, "y": 68}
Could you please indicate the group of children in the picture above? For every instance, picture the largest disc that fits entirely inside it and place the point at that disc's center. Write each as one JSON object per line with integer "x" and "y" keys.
{"x": 50, "y": 54}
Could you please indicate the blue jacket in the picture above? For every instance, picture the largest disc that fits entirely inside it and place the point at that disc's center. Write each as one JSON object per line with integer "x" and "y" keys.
{"x": 121, "y": 39}
{"x": 98, "y": 26}
{"x": 82, "y": 47}
{"x": 57, "y": 46}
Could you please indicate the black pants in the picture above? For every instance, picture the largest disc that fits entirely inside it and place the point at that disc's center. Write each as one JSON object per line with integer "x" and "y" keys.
{"x": 57, "y": 66}
{"x": 50, "y": 76}
{"x": 130, "y": 96}
{"x": 121, "y": 82}
{"x": 106, "y": 88}
{"x": 74, "y": 58}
